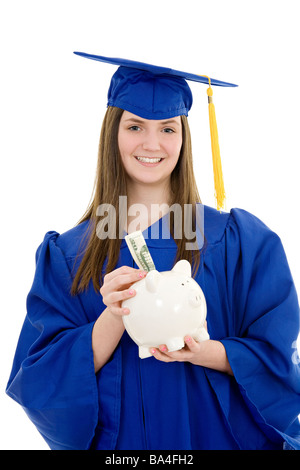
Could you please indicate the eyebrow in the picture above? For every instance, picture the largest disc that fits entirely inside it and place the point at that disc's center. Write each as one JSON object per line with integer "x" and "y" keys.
{"x": 140, "y": 121}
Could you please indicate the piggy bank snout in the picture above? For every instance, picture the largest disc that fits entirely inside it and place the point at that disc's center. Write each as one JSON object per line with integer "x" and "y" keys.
{"x": 195, "y": 298}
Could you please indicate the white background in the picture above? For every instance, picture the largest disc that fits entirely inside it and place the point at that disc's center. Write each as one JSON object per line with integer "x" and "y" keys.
{"x": 53, "y": 102}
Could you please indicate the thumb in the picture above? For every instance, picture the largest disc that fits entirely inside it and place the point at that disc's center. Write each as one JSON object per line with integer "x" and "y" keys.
{"x": 191, "y": 343}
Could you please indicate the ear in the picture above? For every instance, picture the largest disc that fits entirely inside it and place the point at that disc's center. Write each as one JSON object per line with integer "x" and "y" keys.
{"x": 183, "y": 267}
{"x": 152, "y": 280}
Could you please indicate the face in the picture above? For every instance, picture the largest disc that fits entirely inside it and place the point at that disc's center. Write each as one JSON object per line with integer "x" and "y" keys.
{"x": 149, "y": 149}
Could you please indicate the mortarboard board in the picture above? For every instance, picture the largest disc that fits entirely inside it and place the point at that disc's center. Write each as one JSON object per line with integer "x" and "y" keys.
{"x": 154, "y": 92}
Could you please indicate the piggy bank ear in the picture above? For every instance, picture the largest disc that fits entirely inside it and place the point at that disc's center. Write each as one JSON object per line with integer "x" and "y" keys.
{"x": 183, "y": 267}
{"x": 152, "y": 280}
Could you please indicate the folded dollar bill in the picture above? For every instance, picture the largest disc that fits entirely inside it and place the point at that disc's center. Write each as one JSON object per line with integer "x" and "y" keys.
{"x": 139, "y": 250}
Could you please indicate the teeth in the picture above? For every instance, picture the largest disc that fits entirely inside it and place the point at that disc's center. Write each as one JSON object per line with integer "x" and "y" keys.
{"x": 148, "y": 160}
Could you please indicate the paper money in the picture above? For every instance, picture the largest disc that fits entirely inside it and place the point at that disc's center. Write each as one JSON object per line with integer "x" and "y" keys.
{"x": 139, "y": 250}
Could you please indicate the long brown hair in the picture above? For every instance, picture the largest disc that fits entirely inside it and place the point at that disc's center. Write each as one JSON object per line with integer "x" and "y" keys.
{"x": 110, "y": 183}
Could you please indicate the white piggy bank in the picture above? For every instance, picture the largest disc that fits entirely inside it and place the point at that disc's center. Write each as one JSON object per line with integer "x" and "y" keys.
{"x": 167, "y": 306}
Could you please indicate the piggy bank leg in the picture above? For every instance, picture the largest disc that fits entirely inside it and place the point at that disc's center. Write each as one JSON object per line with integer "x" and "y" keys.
{"x": 201, "y": 335}
{"x": 174, "y": 344}
{"x": 144, "y": 352}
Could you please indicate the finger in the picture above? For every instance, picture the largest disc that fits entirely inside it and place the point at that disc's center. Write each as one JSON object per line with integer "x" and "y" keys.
{"x": 123, "y": 270}
{"x": 120, "y": 283}
{"x": 119, "y": 311}
{"x": 181, "y": 356}
{"x": 125, "y": 280}
{"x": 192, "y": 345}
{"x": 118, "y": 271}
{"x": 160, "y": 356}
{"x": 118, "y": 296}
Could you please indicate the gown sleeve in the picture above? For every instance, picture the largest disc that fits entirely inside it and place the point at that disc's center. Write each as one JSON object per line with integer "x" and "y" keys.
{"x": 262, "y": 352}
{"x": 53, "y": 376}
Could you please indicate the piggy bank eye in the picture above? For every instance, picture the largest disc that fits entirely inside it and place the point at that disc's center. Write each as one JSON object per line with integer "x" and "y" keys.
{"x": 182, "y": 283}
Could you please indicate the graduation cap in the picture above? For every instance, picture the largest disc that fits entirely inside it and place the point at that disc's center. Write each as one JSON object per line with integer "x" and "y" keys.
{"x": 153, "y": 92}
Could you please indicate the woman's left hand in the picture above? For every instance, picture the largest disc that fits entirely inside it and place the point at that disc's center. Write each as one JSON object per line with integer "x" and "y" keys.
{"x": 209, "y": 353}
{"x": 191, "y": 352}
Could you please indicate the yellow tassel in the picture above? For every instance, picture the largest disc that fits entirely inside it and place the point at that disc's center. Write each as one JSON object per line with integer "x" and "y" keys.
{"x": 216, "y": 157}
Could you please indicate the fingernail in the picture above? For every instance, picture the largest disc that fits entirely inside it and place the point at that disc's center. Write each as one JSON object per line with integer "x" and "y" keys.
{"x": 188, "y": 339}
{"x": 131, "y": 292}
{"x": 126, "y": 311}
{"x": 142, "y": 274}
{"x": 163, "y": 348}
{"x": 153, "y": 350}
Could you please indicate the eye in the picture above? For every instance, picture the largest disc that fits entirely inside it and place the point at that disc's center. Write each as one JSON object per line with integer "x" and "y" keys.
{"x": 168, "y": 130}
{"x": 134, "y": 128}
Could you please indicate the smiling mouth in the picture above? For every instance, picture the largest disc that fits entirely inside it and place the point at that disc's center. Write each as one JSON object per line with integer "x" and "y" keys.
{"x": 148, "y": 160}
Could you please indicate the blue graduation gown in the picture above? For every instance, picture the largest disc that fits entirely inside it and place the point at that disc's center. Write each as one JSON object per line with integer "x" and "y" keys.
{"x": 147, "y": 404}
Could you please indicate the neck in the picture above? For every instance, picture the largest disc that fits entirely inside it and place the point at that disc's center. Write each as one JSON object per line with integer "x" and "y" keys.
{"x": 147, "y": 195}
{"x": 146, "y": 204}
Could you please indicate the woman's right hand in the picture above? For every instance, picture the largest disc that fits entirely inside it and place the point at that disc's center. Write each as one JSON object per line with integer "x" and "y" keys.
{"x": 109, "y": 328}
{"x": 117, "y": 287}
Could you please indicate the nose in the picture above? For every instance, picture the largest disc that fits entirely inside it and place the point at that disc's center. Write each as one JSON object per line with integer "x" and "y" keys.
{"x": 151, "y": 141}
{"x": 195, "y": 298}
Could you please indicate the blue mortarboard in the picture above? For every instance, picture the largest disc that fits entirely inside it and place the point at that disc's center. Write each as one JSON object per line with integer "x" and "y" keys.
{"x": 154, "y": 92}
{"x": 149, "y": 91}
